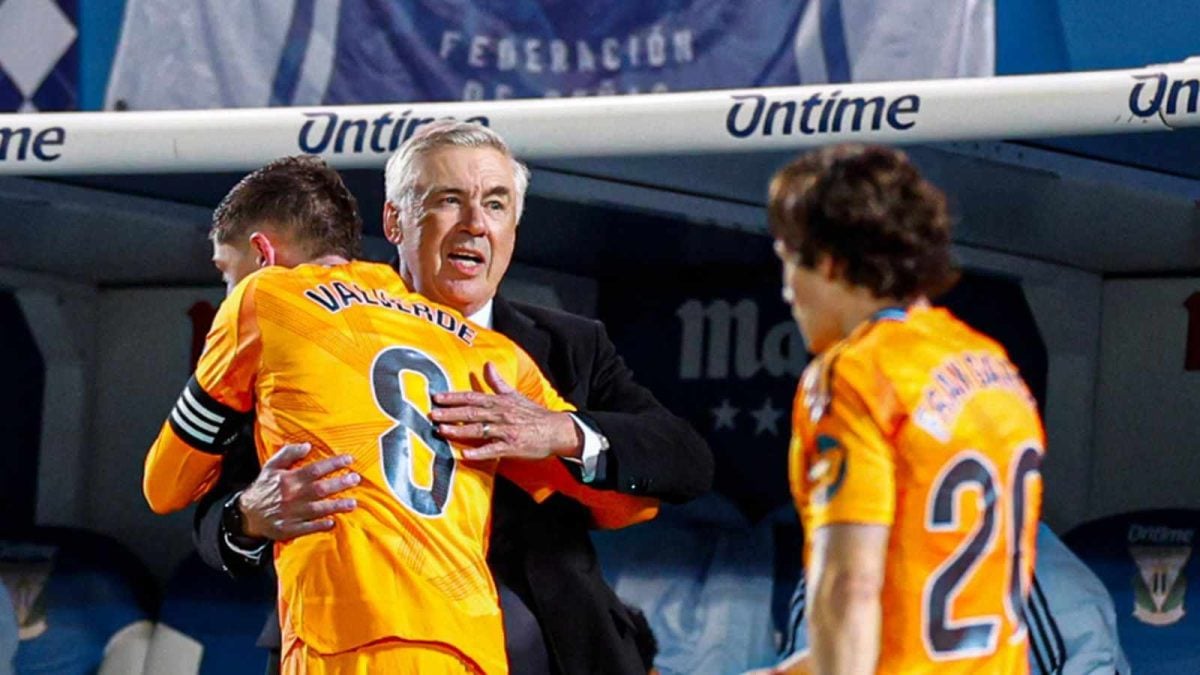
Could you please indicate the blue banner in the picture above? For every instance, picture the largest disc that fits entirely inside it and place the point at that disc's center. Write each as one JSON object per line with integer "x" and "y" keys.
{"x": 204, "y": 53}
{"x": 443, "y": 51}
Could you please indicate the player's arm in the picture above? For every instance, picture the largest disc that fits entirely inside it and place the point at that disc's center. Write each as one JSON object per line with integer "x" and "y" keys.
{"x": 185, "y": 459}
{"x": 847, "y": 582}
{"x": 851, "y": 501}
{"x": 799, "y": 663}
{"x": 609, "y": 509}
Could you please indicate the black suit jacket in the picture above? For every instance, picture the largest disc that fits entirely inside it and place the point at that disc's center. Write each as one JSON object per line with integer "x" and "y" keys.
{"x": 543, "y": 551}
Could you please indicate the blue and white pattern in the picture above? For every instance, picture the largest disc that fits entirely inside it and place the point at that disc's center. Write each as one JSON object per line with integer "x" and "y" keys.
{"x": 208, "y": 53}
{"x": 39, "y": 55}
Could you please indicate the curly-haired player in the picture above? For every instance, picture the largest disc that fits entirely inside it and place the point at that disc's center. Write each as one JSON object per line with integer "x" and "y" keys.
{"x": 916, "y": 445}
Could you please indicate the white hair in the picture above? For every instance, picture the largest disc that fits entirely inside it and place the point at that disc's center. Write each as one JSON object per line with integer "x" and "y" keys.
{"x": 400, "y": 176}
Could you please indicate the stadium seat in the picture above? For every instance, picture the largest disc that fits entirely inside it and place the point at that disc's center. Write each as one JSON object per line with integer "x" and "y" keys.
{"x": 84, "y": 603}
{"x": 8, "y": 632}
{"x": 703, "y": 576}
{"x": 1145, "y": 560}
{"x": 209, "y": 623}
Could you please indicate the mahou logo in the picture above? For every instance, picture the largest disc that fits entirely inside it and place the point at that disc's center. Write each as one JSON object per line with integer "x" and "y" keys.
{"x": 722, "y": 337}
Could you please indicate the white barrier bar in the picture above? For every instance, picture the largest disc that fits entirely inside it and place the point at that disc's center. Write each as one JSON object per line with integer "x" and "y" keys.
{"x": 1155, "y": 98}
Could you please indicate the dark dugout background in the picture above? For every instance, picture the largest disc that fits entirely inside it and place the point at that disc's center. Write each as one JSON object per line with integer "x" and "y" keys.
{"x": 718, "y": 346}
{"x": 22, "y": 377}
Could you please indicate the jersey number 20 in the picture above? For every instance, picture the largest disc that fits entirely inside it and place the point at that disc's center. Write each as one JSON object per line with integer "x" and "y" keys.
{"x": 396, "y": 444}
{"x": 946, "y": 637}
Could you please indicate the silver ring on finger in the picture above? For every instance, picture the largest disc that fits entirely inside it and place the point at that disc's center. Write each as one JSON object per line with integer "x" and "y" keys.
{"x": 487, "y": 430}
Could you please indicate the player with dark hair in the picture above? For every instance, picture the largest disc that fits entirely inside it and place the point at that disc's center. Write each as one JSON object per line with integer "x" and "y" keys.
{"x": 916, "y": 445}
{"x": 340, "y": 355}
{"x": 302, "y": 190}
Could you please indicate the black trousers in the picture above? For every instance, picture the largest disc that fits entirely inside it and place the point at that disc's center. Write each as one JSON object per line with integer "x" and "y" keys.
{"x": 523, "y": 639}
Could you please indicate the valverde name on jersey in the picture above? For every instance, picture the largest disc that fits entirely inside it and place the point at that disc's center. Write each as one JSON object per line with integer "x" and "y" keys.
{"x": 336, "y": 296}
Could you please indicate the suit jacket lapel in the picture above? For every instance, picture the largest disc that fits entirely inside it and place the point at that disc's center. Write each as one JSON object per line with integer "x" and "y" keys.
{"x": 522, "y": 330}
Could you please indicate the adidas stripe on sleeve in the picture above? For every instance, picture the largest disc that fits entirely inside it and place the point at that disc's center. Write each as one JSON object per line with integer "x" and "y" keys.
{"x": 203, "y": 422}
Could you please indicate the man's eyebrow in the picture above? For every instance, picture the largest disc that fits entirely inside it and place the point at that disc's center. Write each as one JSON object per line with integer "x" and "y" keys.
{"x": 494, "y": 191}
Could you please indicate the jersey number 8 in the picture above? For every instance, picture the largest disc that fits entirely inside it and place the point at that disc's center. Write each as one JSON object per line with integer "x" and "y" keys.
{"x": 397, "y": 444}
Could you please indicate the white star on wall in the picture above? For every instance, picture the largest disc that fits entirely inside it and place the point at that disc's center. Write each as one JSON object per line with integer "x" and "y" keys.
{"x": 724, "y": 414}
{"x": 766, "y": 418}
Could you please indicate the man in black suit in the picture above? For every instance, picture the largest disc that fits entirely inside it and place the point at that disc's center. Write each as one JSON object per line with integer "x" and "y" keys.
{"x": 454, "y": 198}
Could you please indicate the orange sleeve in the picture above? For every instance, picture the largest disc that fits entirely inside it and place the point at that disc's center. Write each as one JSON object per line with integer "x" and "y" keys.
{"x": 185, "y": 459}
{"x": 609, "y": 509}
{"x": 796, "y": 460}
{"x": 848, "y": 467}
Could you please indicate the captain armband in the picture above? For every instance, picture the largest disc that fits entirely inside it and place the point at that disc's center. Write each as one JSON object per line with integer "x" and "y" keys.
{"x": 205, "y": 423}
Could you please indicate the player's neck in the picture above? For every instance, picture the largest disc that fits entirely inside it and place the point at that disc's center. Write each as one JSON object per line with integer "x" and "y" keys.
{"x": 329, "y": 260}
{"x": 860, "y": 306}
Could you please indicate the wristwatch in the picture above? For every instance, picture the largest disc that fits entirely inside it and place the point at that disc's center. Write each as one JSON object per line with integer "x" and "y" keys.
{"x": 233, "y": 532}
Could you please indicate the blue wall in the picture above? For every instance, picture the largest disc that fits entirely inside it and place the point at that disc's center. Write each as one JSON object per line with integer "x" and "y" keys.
{"x": 1039, "y": 36}
{"x": 1122, "y": 34}
{"x": 99, "y": 31}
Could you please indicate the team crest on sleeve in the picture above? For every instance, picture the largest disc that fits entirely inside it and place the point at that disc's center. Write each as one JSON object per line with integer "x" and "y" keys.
{"x": 827, "y": 473}
{"x": 1161, "y": 553}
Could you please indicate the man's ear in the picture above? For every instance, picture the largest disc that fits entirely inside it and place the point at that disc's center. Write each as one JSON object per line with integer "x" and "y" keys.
{"x": 391, "y": 223}
{"x": 263, "y": 249}
{"x": 830, "y": 268}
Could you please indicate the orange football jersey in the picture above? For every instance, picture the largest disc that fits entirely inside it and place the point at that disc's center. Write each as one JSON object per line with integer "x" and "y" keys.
{"x": 919, "y": 423}
{"x": 345, "y": 358}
